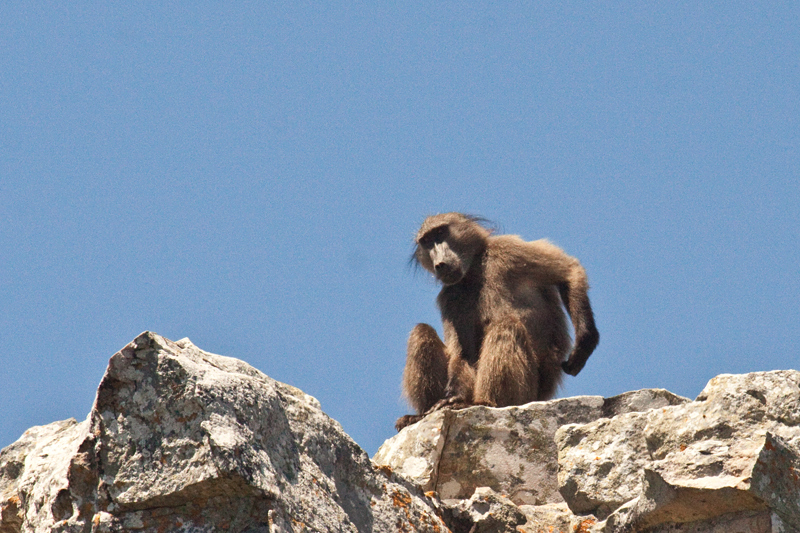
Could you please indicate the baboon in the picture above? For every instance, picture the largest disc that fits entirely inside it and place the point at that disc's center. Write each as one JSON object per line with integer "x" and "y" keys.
{"x": 505, "y": 332}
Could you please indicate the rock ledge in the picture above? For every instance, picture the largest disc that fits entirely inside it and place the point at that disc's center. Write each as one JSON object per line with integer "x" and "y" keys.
{"x": 643, "y": 461}
{"x": 179, "y": 439}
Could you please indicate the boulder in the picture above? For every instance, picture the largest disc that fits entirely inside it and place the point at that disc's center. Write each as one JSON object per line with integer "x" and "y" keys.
{"x": 180, "y": 439}
{"x": 484, "y": 512}
{"x": 736, "y": 449}
{"x": 642, "y": 461}
{"x": 511, "y": 449}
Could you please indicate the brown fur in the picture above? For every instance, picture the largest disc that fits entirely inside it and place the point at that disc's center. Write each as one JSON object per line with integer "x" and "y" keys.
{"x": 505, "y": 332}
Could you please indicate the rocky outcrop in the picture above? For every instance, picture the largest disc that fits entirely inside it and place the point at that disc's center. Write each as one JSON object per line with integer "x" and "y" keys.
{"x": 511, "y": 450}
{"x": 183, "y": 440}
{"x": 732, "y": 454}
{"x": 641, "y": 461}
{"x": 180, "y": 439}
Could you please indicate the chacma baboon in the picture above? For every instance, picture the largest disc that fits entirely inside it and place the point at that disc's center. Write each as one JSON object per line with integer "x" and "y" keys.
{"x": 505, "y": 333}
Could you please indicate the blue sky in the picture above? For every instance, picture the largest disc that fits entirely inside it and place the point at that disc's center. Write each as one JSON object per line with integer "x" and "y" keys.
{"x": 251, "y": 176}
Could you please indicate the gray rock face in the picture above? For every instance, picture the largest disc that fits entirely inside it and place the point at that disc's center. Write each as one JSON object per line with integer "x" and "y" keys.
{"x": 735, "y": 449}
{"x": 511, "y": 450}
{"x": 642, "y": 461}
{"x": 484, "y": 512}
{"x": 183, "y": 440}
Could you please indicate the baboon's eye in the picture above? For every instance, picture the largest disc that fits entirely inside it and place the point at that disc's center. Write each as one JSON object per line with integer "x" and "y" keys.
{"x": 435, "y": 235}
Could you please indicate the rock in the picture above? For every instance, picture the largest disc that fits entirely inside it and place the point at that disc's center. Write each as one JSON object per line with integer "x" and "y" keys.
{"x": 34, "y": 475}
{"x": 484, "y": 512}
{"x": 640, "y": 401}
{"x": 511, "y": 449}
{"x": 735, "y": 449}
{"x": 180, "y": 439}
{"x": 739, "y": 521}
{"x": 415, "y": 452}
{"x": 598, "y": 474}
{"x": 552, "y": 518}
{"x": 642, "y": 461}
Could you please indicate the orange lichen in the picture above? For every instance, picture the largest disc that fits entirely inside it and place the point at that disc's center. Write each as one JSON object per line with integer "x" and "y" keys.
{"x": 584, "y": 526}
{"x": 400, "y": 499}
{"x": 386, "y": 470}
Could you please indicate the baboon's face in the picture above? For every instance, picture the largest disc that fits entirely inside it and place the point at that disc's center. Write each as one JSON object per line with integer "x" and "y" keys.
{"x": 447, "y": 248}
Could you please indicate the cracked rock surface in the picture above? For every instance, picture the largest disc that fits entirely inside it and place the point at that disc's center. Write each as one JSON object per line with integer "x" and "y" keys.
{"x": 180, "y": 439}
{"x": 510, "y": 449}
{"x": 183, "y": 440}
{"x": 643, "y": 461}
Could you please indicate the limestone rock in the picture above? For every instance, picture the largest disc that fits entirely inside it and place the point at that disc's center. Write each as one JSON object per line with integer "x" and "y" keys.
{"x": 484, "y": 512}
{"x": 645, "y": 461}
{"x": 34, "y": 475}
{"x": 415, "y": 453}
{"x": 553, "y": 518}
{"x": 735, "y": 449}
{"x": 511, "y": 449}
{"x": 182, "y": 440}
{"x": 598, "y": 474}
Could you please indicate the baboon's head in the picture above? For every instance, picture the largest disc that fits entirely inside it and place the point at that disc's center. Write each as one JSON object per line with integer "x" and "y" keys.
{"x": 447, "y": 245}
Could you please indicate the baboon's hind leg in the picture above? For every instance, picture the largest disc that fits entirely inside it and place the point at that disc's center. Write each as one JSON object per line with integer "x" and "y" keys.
{"x": 425, "y": 375}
